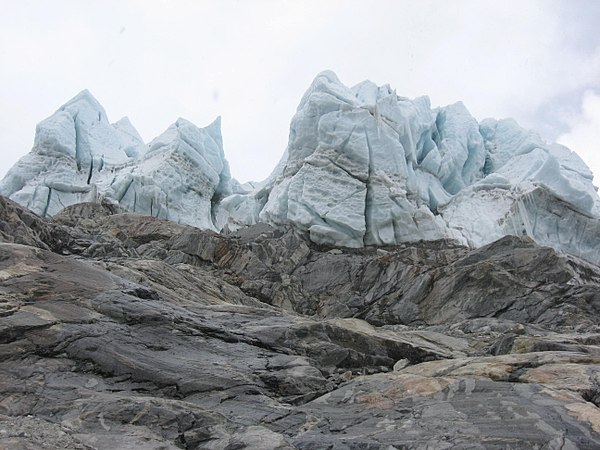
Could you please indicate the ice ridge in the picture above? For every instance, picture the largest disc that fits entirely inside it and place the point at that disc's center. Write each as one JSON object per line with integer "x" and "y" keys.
{"x": 363, "y": 166}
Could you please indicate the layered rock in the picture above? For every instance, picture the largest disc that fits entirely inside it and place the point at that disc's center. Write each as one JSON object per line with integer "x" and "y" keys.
{"x": 119, "y": 330}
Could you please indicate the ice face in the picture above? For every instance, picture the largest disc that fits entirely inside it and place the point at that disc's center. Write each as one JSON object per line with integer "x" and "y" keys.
{"x": 95, "y": 139}
{"x": 182, "y": 176}
{"x": 367, "y": 167}
{"x": 79, "y": 156}
{"x": 350, "y": 167}
{"x": 71, "y": 148}
{"x": 128, "y": 132}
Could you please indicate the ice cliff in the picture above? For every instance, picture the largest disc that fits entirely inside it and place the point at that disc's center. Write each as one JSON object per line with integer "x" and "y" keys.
{"x": 363, "y": 167}
{"x": 79, "y": 156}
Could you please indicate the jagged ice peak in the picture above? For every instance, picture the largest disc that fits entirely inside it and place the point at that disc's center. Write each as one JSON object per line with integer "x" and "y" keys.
{"x": 363, "y": 166}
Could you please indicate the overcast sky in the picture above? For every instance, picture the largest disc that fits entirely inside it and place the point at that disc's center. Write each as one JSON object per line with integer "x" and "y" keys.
{"x": 251, "y": 61}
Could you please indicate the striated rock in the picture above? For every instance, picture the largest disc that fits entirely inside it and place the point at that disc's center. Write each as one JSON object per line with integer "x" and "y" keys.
{"x": 119, "y": 330}
{"x": 406, "y": 410}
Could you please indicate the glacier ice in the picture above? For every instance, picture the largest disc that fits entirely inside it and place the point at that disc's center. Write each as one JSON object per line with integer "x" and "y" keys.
{"x": 182, "y": 176}
{"x": 79, "y": 156}
{"x": 348, "y": 171}
{"x": 363, "y": 166}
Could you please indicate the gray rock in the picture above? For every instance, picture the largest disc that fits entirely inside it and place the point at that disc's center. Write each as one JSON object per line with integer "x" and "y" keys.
{"x": 401, "y": 364}
{"x": 124, "y": 331}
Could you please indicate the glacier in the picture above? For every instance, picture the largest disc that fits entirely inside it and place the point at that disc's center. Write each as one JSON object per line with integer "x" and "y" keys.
{"x": 363, "y": 167}
{"x": 78, "y": 156}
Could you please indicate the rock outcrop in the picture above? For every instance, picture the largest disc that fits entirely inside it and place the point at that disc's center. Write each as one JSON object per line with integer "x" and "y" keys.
{"x": 119, "y": 330}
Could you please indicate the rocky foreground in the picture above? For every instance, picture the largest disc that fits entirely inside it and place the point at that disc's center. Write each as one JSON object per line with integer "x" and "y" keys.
{"x": 125, "y": 331}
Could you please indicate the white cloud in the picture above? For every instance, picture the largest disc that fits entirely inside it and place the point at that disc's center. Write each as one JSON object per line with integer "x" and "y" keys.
{"x": 584, "y": 134}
